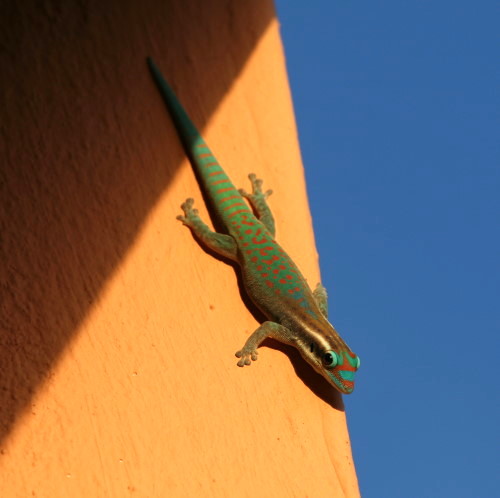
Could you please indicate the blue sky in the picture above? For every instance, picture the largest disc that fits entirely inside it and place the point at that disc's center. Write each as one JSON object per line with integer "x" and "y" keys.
{"x": 398, "y": 115}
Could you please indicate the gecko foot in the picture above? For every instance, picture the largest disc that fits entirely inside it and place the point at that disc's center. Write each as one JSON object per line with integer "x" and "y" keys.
{"x": 191, "y": 215}
{"x": 257, "y": 194}
{"x": 247, "y": 356}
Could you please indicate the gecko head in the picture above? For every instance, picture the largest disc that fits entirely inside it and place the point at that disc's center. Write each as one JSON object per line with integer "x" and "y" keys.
{"x": 329, "y": 355}
{"x": 339, "y": 367}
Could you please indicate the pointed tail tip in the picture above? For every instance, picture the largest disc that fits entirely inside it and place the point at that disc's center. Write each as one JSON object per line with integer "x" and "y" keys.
{"x": 153, "y": 67}
{"x": 155, "y": 71}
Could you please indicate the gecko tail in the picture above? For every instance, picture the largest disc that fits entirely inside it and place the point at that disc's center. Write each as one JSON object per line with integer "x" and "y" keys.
{"x": 226, "y": 198}
{"x": 188, "y": 132}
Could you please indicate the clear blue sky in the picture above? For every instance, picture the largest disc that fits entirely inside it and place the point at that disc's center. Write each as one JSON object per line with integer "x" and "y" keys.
{"x": 398, "y": 114}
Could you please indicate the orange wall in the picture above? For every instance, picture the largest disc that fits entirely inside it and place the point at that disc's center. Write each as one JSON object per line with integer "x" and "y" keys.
{"x": 118, "y": 331}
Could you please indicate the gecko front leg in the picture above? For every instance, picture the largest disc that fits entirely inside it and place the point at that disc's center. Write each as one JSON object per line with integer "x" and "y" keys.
{"x": 267, "y": 329}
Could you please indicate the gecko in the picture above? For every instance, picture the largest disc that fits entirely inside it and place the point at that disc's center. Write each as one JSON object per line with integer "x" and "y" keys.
{"x": 296, "y": 315}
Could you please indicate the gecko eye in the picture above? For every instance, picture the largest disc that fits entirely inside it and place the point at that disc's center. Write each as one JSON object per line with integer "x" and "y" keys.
{"x": 330, "y": 359}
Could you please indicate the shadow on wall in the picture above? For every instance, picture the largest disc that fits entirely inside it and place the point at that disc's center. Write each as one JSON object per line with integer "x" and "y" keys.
{"x": 79, "y": 171}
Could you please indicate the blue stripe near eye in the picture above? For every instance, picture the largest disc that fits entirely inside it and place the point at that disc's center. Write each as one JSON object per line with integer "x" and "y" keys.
{"x": 353, "y": 361}
{"x": 346, "y": 375}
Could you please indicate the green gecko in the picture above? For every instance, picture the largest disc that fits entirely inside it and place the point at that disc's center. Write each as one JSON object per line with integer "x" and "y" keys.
{"x": 296, "y": 315}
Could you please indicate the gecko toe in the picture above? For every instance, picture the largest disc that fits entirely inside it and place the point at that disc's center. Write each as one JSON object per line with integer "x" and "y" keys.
{"x": 246, "y": 357}
{"x": 243, "y": 362}
{"x": 187, "y": 205}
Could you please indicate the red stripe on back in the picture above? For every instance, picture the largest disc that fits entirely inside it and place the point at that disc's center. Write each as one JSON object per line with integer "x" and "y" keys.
{"x": 238, "y": 212}
{"x": 261, "y": 241}
{"x": 233, "y": 205}
{"x": 229, "y": 198}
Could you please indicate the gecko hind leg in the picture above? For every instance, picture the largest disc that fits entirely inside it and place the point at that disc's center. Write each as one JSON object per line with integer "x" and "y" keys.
{"x": 268, "y": 329}
{"x": 258, "y": 201}
{"x": 321, "y": 297}
{"x": 221, "y": 243}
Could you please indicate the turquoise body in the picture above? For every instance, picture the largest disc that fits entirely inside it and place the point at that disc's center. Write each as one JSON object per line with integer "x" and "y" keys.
{"x": 297, "y": 315}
